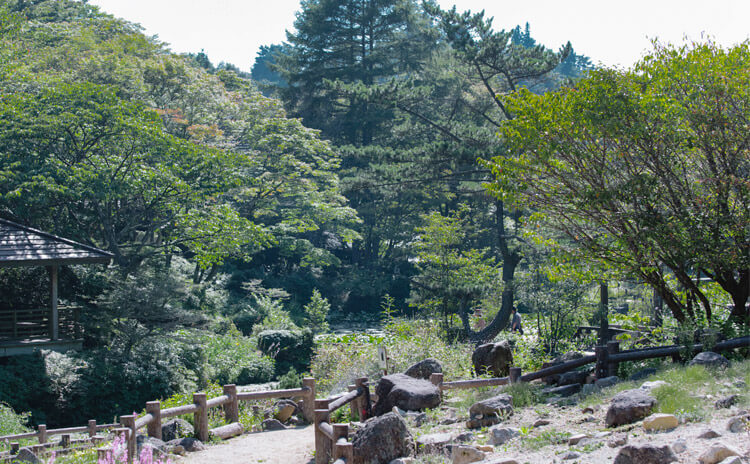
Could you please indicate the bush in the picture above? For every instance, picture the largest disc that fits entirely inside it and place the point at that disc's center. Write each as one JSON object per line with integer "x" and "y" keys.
{"x": 290, "y": 349}
{"x": 232, "y": 358}
{"x": 12, "y": 423}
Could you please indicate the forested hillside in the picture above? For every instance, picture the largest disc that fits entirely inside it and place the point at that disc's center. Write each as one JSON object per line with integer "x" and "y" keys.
{"x": 389, "y": 159}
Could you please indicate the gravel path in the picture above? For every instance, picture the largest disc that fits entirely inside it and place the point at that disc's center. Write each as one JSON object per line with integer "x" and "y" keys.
{"x": 292, "y": 446}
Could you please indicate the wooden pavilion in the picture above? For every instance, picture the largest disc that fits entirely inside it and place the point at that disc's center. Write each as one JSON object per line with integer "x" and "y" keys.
{"x": 23, "y": 330}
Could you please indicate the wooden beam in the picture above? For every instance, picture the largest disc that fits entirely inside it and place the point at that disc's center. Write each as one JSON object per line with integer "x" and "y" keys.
{"x": 54, "y": 320}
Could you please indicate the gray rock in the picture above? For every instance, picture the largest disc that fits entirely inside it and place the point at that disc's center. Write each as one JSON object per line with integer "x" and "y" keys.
{"x": 571, "y": 455}
{"x": 272, "y": 424}
{"x": 739, "y": 423}
{"x": 576, "y": 439}
{"x": 493, "y": 358}
{"x": 464, "y": 437}
{"x": 406, "y": 393}
{"x": 423, "y": 369}
{"x": 433, "y": 443}
{"x": 188, "y": 444}
{"x": 642, "y": 374}
{"x": 176, "y": 428}
{"x": 502, "y": 435}
{"x": 645, "y": 454}
{"x": 25, "y": 455}
{"x": 564, "y": 391}
{"x": 153, "y": 443}
{"x": 419, "y": 419}
{"x": 540, "y": 423}
{"x": 382, "y": 439}
{"x": 573, "y": 377}
{"x": 284, "y": 409}
{"x": 464, "y": 454}
{"x": 726, "y": 402}
{"x": 648, "y": 386}
{"x": 710, "y": 359}
{"x": 732, "y": 460}
{"x": 717, "y": 453}
{"x": 679, "y": 446}
{"x": 629, "y": 406}
{"x": 606, "y": 381}
{"x": 617, "y": 439}
{"x": 490, "y": 411}
{"x": 709, "y": 434}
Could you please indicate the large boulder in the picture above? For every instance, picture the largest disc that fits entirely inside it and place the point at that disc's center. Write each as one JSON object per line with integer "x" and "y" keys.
{"x": 629, "y": 406}
{"x": 288, "y": 348}
{"x": 382, "y": 439}
{"x": 405, "y": 392}
{"x": 645, "y": 454}
{"x": 573, "y": 377}
{"x": 710, "y": 359}
{"x": 493, "y": 358}
{"x": 490, "y": 411}
{"x": 189, "y": 444}
{"x": 176, "y": 428}
{"x": 423, "y": 369}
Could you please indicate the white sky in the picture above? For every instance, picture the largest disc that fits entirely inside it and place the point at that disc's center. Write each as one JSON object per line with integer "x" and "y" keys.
{"x": 614, "y": 33}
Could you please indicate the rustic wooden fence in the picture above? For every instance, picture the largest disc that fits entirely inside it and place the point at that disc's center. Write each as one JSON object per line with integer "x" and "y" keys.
{"x": 331, "y": 440}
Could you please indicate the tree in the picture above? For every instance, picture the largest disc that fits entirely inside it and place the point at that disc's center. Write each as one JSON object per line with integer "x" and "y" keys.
{"x": 646, "y": 171}
{"x": 316, "y": 311}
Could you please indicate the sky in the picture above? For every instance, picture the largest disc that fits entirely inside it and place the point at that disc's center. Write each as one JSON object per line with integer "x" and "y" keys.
{"x": 612, "y": 33}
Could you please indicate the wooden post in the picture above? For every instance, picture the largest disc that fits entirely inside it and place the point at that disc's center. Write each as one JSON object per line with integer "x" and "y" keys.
{"x": 154, "y": 427}
{"x": 200, "y": 417}
{"x": 42, "y": 434}
{"x": 308, "y": 407}
{"x": 101, "y": 454}
{"x": 15, "y": 322}
{"x": 612, "y": 348}
{"x": 339, "y": 431}
{"x": 128, "y": 422}
{"x": 353, "y": 405}
{"x": 602, "y": 361}
{"x": 365, "y": 406}
{"x": 514, "y": 375}
{"x": 14, "y": 447}
{"x": 322, "y": 444}
{"x": 232, "y": 408}
{"x": 54, "y": 320}
{"x": 603, "y": 313}
{"x": 65, "y": 441}
{"x": 347, "y": 452}
{"x": 92, "y": 428}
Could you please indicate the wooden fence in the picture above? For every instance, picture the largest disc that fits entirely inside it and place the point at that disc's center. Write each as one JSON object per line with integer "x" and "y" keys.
{"x": 331, "y": 440}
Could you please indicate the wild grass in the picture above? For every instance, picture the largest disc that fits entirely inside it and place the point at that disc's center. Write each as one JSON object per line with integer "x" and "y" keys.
{"x": 545, "y": 438}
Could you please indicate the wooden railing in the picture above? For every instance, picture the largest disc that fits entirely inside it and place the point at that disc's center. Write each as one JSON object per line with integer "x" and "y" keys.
{"x": 34, "y": 323}
{"x": 332, "y": 440}
{"x": 42, "y": 435}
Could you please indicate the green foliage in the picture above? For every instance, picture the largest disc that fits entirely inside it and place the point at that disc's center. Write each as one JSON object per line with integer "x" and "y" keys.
{"x": 290, "y": 349}
{"x": 232, "y": 358}
{"x": 12, "y": 423}
{"x": 290, "y": 380}
{"x": 275, "y": 317}
{"x": 544, "y": 438}
{"x": 316, "y": 311}
{"x": 640, "y": 146}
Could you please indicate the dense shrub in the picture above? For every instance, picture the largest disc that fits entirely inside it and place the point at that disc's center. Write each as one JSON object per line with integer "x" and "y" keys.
{"x": 290, "y": 349}
{"x": 12, "y": 423}
{"x": 232, "y": 358}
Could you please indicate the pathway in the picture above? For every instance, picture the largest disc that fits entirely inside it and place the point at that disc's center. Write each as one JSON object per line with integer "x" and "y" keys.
{"x": 291, "y": 446}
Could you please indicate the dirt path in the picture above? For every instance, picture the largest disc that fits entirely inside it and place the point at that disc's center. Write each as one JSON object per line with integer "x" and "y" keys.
{"x": 292, "y": 446}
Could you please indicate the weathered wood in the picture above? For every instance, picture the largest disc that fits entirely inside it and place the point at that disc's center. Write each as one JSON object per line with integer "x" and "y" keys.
{"x": 227, "y": 431}
{"x": 308, "y": 406}
{"x": 200, "y": 417}
{"x": 353, "y": 406}
{"x": 473, "y": 383}
{"x": 218, "y": 401}
{"x": 291, "y": 393}
{"x": 42, "y": 433}
{"x": 514, "y": 375}
{"x": 54, "y": 320}
{"x": 102, "y": 453}
{"x": 322, "y": 443}
{"x": 601, "y": 366}
{"x": 343, "y": 400}
{"x": 92, "y": 428}
{"x": 179, "y": 411}
{"x": 154, "y": 427}
{"x": 339, "y": 438}
{"x": 143, "y": 421}
{"x": 558, "y": 369}
{"x": 613, "y": 348}
{"x": 231, "y": 407}
{"x": 128, "y": 422}
{"x": 65, "y": 441}
{"x": 365, "y": 405}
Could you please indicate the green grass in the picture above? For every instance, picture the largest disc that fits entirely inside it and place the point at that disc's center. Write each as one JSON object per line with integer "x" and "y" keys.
{"x": 545, "y": 438}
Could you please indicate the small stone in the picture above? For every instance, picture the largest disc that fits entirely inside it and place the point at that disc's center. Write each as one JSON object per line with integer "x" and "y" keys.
{"x": 738, "y": 424}
{"x": 177, "y": 449}
{"x": 588, "y": 410}
{"x": 571, "y": 455}
{"x": 25, "y": 455}
{"x": 732, "y": 460}
{"x": 726, "y": 402}
{"x": 660, "y": 422}
{"x": 485, "y": 448}
{"x": 464, "y": 454}
{"x": 402, "y": 461}
{"x": 541, "y": 423}
{"x": 502, "y": 435}
{"x": 651, "y": 385}
{"x": 433, "y": 443}
{"x": 710, "y": 359}
{"x": 679, "y": 446}
{"x": 606, "y": 381}
{"x": 602, "y": 434}
{"x": 645, "y": 454}
{"x": 272, "y": 424}
{"x": 618, "y": 439}
{"x": 576, "y": 438}
{"x": 464, "y": 437}
{"x": 717, "y": 453}
{"x": 740, "y": 384}
{"x": 419, "y": 419}
{"x": 709, "y": 433}
{"x": 189, "y": 444}
{"x": 504, "y": 461}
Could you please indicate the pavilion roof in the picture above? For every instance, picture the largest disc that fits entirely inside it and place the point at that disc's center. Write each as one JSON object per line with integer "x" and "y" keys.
{"x": 24, "y": 246}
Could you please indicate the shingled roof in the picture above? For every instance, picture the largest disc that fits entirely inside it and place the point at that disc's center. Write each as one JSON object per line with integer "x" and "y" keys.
{"x": 24, "y": 246}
